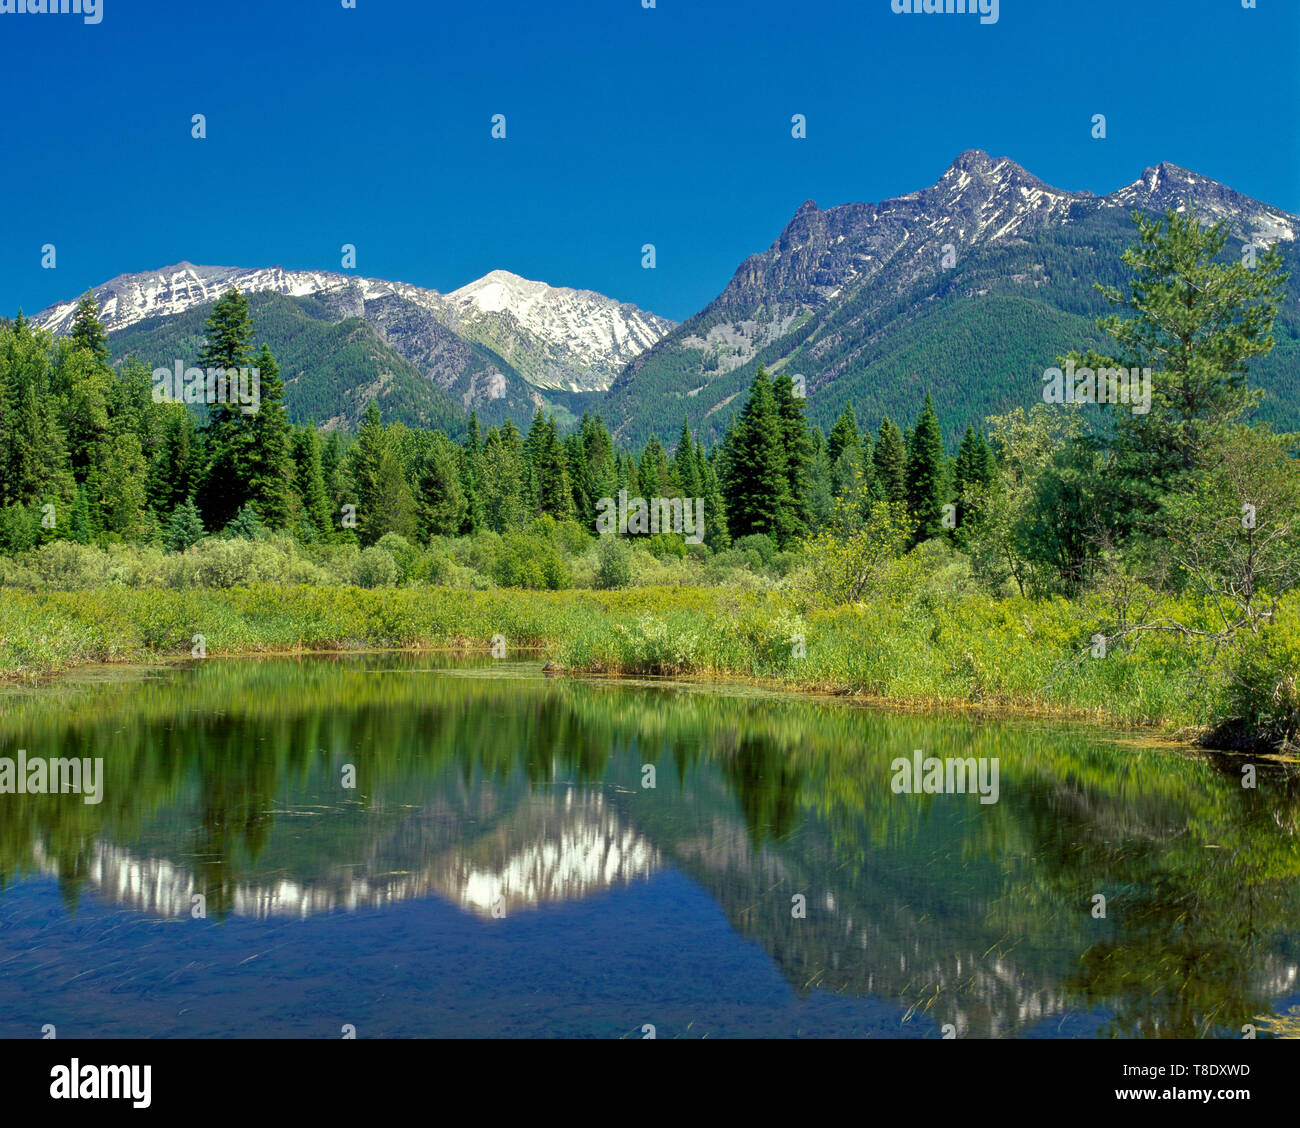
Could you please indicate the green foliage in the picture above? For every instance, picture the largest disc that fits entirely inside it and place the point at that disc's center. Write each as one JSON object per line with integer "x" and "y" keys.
{"x": 925, "y": 481}
{"x": 755, "y": 483}
{"x": 245, "y": 525}
{"x": 185, "y": 528}
{"x": 375, "y": 567}
{"x": 615, "y": 568}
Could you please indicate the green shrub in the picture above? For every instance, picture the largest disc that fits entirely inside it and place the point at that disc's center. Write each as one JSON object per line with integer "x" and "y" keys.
{"x": 529, "y": 561}
{"x": 667, "y": 544}
{"x": 408, "y": 558}
{"x": 1260, "y": 703}
{"x": 759, "y": 543}
{"x": 614, "y": 569}
{"x": 375, "y": 568}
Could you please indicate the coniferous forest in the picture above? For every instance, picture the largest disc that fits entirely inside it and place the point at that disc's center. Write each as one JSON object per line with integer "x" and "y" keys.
{"x": 1166, "y": 531}
{"x": 637, "y": 520}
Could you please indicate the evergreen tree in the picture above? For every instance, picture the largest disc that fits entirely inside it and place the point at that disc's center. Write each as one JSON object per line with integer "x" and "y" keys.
{"x": 926, "y": 492}
{"x": 503, "y": 479}
{"x": 716, "y": 530}
{"x": 554, "y": 490}
{"x": 88, "y": 331}
{"x": 439, "y": 499}
{"x": 754, "y": 487}
{"x": 384, "y": 501}
{"x": 225, "y": 487}
{"x": 890, "y": 461}
{"x": 653, "y": 473}
{"x": 174, "y": 470}
{"x": 122, "y": 488}
{"x": 245, "y": 525}
{"x": 844, "y": 434}
{"x": 685, "y": 474}
{"x": 229, "y": 333}
{"x": 185, "y": 529}
{"x": 972, "y": 472}
{"x": 80, "y": 526}
{"x": 315, "y": 505}
{"x": 269, "y": 451}
{"x": 798, "y": 444}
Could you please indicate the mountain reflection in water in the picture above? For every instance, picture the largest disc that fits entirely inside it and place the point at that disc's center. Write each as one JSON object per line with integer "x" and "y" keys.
{"x": 517, "y": 799}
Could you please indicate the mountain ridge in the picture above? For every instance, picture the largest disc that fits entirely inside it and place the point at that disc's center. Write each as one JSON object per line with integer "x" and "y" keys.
{"x": 990, "y": 268}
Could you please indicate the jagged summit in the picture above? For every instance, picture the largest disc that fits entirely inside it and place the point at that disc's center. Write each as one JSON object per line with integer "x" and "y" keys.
{"x": 554, "y": 336}
{"x": 861, "y": 297}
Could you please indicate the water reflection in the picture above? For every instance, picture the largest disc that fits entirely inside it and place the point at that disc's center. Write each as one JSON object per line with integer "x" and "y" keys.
{"x": 505, "y": 794}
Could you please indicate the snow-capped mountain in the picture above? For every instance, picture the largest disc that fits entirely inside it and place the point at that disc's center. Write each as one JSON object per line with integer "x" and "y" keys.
{"x": 975, "y": 282}
{"x": 130, "y": 298}
{"x": 553, "y": 337}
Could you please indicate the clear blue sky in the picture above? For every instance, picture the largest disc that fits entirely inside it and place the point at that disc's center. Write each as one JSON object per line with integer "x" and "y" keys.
{"x": 625, "y": 126}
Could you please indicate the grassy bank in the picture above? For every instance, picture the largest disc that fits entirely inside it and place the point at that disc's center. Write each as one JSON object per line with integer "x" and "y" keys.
{"x": 934, "y": 650}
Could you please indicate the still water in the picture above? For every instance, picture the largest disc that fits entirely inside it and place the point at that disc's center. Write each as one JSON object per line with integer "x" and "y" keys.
{"x": 499, "y": 866}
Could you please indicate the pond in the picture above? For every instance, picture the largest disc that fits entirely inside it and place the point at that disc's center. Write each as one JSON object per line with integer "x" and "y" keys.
{"x": 426, "y": 846}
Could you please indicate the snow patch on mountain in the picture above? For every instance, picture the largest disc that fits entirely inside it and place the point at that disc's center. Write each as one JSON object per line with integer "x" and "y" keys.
{"x": 556, "y": 336}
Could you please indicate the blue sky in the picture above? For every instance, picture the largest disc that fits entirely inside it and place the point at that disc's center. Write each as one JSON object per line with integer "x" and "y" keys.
{"x": 625, "y": 126}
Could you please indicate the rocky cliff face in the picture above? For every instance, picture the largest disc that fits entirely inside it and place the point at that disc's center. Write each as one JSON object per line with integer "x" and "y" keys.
{"x": 550, "y": 337}
{"x": 836, "y": 282}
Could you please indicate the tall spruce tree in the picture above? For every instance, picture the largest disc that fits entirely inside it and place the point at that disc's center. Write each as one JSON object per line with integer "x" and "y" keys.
{"x": 754, "y": 487}
{"x": 890, "y": 461}
{"x": 844, "y": 434}
{"x": 225, "y": 487}
{"x": 926, "y": 484}
{"x": 685, "y": 473}
{"x": 269, "y": 450}
{"x": 88, "y": 331}
{"x": 797, "y": 440}
{"x": 315, "y": 507}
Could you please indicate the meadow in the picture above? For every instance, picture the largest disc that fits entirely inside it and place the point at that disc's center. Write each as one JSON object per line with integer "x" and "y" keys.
{"x": 921, "y": 636}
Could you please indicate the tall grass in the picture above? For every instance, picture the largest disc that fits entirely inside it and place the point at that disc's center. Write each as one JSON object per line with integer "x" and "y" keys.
{"x": 947, "y": 651}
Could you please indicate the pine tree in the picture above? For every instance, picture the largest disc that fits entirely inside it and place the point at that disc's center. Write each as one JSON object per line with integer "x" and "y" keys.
{"x": 269, "y": 468}
{"x": 315, "y": 505}
{"x": 652, "y": 472}
{"x": 174, "y": 470}
{"x": 122, "y": 488}
{"x": 80, "y": 528}
{"x": 844, "y": 434}
{"x": 185, "y": 529}
{"x": 439, "y": 498}
{"x": 754, "y": 486}
{"x": 717, "y": 534}
{"x": 972, "y": 472}
{"x": 225, "y": 488}
{"x": 554, "y": 489}
{"x": 890, "y": 462}
{"x": 88, "y": 331}
{"x": 384, "y": 501}
{"x": 503, "y": 472}
{"x": 684, "y": 471}
{"x": 798, "y": 445}
{"x": 229, "y": 333}
{"x": 245, "y": 525}
{"x": 926, "y": 492}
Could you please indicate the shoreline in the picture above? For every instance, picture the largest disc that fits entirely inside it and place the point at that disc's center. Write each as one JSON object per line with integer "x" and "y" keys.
{"x": 1011, "y": 711}
{"x": 1013, "y": 658}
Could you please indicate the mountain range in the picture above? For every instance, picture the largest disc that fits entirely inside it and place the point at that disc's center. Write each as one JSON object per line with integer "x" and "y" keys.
{"x": 967, "y": 289}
